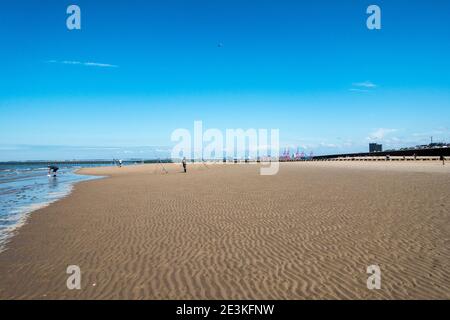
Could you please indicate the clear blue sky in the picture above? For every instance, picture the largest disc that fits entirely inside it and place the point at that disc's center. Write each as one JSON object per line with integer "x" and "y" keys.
{"x": 311, "y": 69}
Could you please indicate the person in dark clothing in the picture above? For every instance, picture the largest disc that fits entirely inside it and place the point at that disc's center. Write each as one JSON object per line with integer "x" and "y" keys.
{"x": 52, "y": 170}
{"x": 184, "y": 164}
{"x": 443, "y": 160}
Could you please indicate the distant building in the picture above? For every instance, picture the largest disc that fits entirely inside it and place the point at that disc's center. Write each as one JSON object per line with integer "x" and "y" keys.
{"x": 375, "y": 147}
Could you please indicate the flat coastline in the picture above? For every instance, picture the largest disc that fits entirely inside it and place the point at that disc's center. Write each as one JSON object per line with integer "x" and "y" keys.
{"x": 226, "y": 232}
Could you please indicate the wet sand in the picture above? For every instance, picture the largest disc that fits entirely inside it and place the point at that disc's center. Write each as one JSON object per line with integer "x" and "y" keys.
{"x": 226, "y": 232}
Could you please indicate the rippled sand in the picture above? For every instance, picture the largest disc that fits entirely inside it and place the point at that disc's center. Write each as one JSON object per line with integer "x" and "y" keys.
{"x": 225, "y": 232}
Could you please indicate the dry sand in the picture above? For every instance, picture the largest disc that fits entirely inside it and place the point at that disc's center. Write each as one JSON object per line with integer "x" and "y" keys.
{"x": 225, "y": 232}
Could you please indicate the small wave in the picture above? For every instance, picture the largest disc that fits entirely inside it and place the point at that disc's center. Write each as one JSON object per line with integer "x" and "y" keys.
{"x": 28, "y": 194}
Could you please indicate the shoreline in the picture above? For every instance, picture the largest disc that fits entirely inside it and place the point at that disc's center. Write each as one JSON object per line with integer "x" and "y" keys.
{"x": 225, "y": 232}
{"x": 20, "y": 213}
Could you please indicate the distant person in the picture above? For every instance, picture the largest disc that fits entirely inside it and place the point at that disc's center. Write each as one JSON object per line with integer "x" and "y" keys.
{"x": 184, "y": 164}
{"x": 120, "y": 163}
{"x": 52, "y": 170}
{"x": 443, "y": 160}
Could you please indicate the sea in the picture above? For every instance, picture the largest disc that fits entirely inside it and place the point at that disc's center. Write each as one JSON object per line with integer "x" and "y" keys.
{"x": 25, "y": 188}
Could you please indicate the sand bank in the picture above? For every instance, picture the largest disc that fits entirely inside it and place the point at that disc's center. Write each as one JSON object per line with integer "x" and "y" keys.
{"x": 226, "y": 232}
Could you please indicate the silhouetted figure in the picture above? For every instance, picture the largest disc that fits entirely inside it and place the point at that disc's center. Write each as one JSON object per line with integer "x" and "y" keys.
{"x": 443, "y": 160}
{"x": 52, "y": 170}
{"x": 184, "y": 165}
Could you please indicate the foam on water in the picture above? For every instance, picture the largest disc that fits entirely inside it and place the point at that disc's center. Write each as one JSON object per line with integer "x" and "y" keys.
{"x": 24, "y": 189}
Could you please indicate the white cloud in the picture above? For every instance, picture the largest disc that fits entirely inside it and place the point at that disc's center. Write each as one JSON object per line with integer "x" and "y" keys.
{"x": 365, "y": 84}
{"x": 329, "y": 145}
{"x": 87, "y": 64}
{"x": 380, "y": 133}
{"x": 103, "y": 65}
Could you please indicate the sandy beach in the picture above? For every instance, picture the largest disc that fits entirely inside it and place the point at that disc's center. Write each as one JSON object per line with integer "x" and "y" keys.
{"x": 226, "y": 232}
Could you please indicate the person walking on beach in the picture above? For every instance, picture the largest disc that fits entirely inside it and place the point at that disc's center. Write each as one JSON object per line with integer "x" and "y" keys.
{"x": 443, "y": 160}
{"x": 52, "y": 170}
{"x": 184, "y": 164}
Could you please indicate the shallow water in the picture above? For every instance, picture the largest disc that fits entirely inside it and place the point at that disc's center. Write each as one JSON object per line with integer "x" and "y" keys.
{"x": 25, "y": 188}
